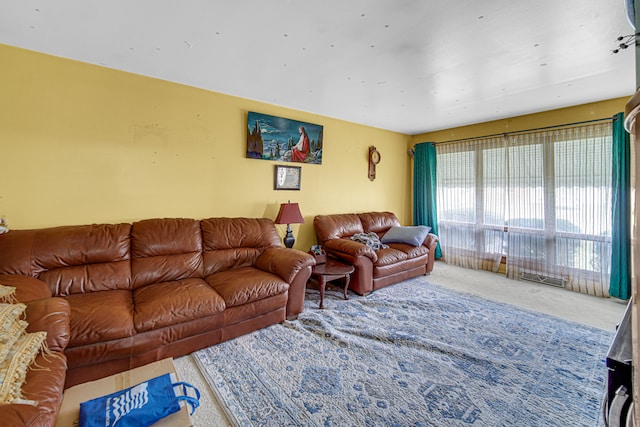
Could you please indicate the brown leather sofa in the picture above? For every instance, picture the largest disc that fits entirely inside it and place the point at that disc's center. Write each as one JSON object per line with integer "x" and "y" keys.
{"x": 157, "y": 288}
{"x": 45, "y": 383}
{"x": 374, "y": 269}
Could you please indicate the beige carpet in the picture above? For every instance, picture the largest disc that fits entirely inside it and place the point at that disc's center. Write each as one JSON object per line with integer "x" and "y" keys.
{"x": 602, "y": 313}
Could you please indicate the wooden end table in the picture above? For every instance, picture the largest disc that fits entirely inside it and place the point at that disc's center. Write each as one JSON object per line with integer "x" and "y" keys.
{"x": 331, "y": 270}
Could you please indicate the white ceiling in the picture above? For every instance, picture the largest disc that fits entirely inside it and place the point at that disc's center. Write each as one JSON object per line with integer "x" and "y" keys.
{"x": 410, "y": 66}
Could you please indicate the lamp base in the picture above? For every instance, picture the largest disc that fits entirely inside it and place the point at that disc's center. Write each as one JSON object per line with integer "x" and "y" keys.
{"x": 289, "y": 240}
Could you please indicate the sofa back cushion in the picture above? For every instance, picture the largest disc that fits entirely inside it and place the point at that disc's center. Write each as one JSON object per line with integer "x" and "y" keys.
{"x": 15, "y": 252}
{"x": 378, "y": 222}
{"x": 336, "y": 226}
{"x": 164, "y": 250}
{"x": 84, "y": 258}
{"x": 235, "y": 242}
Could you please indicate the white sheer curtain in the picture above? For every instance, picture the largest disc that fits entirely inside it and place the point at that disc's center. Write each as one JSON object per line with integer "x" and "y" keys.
{"x": 539, "y": 200}
{"x": 471, "y": 200}
{"x": 559, "y": 223}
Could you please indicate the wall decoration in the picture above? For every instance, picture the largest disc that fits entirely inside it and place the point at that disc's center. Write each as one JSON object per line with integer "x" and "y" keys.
{"x": 374, "y": 159}
{"x": 284, "y": 140}
{"x": 287, "y": 177}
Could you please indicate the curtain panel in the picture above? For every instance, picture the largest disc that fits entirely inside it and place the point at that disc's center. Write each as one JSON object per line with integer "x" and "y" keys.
{"x": 425, "y": 210}
{"x": 471, "y": 202}
{"x": 620, "y": 284}
{"x": 541, "y": 200}
{"x": 559, "y": 224}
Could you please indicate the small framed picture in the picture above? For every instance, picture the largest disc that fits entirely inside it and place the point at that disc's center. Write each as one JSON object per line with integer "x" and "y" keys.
{"x": 287, "y": 177}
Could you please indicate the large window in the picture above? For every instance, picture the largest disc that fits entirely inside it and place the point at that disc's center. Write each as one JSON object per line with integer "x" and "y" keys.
{"x": 541, "y": 200}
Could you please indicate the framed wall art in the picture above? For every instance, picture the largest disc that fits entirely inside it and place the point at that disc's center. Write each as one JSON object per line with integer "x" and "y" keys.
{"x": 287, "y": 177}
{"x": 283, "y": 140}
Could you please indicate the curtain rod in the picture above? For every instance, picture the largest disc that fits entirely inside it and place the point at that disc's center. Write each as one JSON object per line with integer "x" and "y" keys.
{"x": 527, "y": 130}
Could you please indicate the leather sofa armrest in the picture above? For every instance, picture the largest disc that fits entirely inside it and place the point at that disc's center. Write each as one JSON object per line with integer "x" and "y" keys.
{"x": 22, "y": 415}
{"x": 52, "y": 316}
{"x": 284, "y": 262}
{"x": 294, "y": 267}
{"x": 348, "y": 249}
{"x": 45, "y": 385}
{"x": 295, "y": 303}
{"x": 27, "y": 288}
{"x": 431, "y": 240}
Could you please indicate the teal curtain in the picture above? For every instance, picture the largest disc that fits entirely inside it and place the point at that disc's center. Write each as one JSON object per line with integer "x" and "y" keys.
{"x": 620, "y": 280}
{"x": 424, "y": 189}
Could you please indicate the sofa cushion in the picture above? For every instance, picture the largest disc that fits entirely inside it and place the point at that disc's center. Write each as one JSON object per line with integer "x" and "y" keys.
{"x": 165, "y": 250}
{"x": 170, "y": 303}
{"x": 336, "y": 226}
{"x": 78, "y": 259}
{"x": 410, "y": 250}
{"x": 16, "y": 249}
{"x": 50, "y": 315}
{"x": 389, "y": 256}
{"x": 378, "y": 222}
{"x": 411, "y": 235}
{"x": 246, "y": 285}
{"x": 100, "y": 316}
{"x": 88, "y": 278}
{"x": 26, "y": 288}
{"x": 235, "y": 242}
{"x": 400, "y": 267}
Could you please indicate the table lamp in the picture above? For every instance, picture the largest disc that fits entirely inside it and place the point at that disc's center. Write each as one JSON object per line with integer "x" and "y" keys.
{"x": 289, "y": 214}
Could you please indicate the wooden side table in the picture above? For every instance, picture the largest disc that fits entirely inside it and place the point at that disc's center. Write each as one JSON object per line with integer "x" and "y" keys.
{"x": 331, "y": 270}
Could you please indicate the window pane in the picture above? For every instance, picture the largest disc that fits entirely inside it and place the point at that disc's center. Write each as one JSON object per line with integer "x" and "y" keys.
{"x": 583, "y": 198}
{"x": 526, "y": 184}
{"x": 456, "y": 196}
{"x": 471, "y": 202}
{"x": 494, "y": 185}
{"x": 583, "y": 183}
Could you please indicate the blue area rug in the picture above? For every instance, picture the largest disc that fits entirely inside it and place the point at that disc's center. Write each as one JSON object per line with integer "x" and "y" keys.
{"x": 411, "y": 354}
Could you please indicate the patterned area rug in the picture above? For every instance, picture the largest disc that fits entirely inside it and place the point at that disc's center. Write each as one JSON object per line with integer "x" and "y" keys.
{"x": 412, "y": 354}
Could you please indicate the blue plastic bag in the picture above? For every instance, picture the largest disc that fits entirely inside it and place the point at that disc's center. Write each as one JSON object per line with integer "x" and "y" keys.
{"x": 140, "y": 405}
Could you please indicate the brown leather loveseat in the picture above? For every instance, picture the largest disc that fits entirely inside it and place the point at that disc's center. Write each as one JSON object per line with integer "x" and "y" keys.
{"x": 374, "y": 269}
{"x": 157, "y": 288}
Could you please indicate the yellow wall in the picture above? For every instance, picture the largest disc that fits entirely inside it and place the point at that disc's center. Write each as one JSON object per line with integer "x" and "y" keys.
{"x": 596, "y": 110}
{"x": 86, "y": 144}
